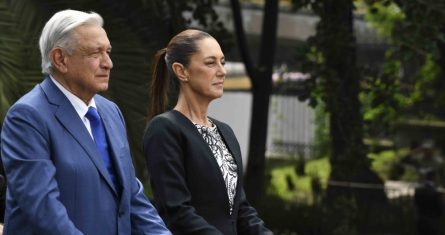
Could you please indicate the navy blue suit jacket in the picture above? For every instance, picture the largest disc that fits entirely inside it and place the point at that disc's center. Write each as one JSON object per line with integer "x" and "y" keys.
{"x": 57, "y": 182}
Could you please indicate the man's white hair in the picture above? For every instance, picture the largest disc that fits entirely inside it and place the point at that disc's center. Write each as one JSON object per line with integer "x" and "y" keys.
{"x": 58, "y": 33}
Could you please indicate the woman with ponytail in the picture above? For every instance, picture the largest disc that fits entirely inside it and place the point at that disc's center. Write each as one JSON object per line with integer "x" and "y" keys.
{"x": 195, "y": 161}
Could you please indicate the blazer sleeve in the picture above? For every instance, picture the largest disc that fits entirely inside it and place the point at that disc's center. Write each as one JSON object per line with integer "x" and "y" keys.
{"x": 163, "y": 151}
{"x": 144, "y": 217}
{"x": 248, "y": 221}
{"x": 30, "y": 171}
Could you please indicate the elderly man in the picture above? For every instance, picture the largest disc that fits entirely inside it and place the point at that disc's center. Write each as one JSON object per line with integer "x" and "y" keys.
{"x": 65, "y": 149}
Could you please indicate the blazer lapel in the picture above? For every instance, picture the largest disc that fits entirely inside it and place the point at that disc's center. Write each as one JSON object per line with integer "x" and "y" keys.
{"x": 227, "y": 136}
{"x": 233, "y": 146}
{"x": 191, "y": 128}
{"x": 68, "y": 117}
{"x": 231, "y": 143}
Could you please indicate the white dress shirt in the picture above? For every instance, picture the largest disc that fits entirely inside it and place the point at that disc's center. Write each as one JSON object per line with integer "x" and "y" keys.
{"x": 80, "y": 107}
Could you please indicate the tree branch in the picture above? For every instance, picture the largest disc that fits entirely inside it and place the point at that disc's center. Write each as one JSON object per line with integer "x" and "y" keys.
{"x": 241, "y": 39}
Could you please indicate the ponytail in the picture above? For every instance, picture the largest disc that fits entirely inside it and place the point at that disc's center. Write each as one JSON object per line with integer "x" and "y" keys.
{"x": 180, "y": 49}
{"x": 159, "y": 86}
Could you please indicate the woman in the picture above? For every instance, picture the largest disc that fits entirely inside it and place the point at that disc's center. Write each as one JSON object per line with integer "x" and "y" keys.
{"x": 194, "y": 160}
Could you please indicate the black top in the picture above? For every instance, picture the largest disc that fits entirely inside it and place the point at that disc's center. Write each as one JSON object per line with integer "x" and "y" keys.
{"x": 189, "y": 190}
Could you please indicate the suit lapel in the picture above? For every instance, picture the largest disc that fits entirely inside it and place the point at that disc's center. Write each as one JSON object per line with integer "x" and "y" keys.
{"x": 114, "y": 143}
{"x": 68, "y": 117}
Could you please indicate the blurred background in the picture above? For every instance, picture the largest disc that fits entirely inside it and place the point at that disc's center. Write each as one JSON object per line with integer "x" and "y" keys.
{"x": 338, "y": 105}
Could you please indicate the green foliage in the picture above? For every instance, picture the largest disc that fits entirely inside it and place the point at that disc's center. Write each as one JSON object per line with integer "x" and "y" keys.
{"x": 381, "y": 99}
{"x": 17, "y": 51}
{"x": 412, "y": 71}
{"x": 312, "y": 61}
{"x": 322, "y": 140}
{"x": 426, "y": 76}
{"x": 383, "y": 162}
{"x": 319, "y": 168}
{"x": 282, "y": 178}
{"x": 286, "y": 184}
{"x": 384, "y": 17}
{"x": 421, "y": 32}
{"x": 388, "y": 165}
{"x": 312, "y": 215}
{"x": 426, "y": 95}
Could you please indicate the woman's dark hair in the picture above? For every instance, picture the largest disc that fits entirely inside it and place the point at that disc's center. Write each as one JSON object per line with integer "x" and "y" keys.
{"x": 180, "y": 49}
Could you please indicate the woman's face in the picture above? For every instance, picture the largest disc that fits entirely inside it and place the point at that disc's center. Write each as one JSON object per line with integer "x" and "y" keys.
{"x": 206, "y": 72}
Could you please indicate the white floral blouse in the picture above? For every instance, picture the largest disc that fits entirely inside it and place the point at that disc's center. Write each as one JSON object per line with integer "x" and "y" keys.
{"x": 223, "y": 157}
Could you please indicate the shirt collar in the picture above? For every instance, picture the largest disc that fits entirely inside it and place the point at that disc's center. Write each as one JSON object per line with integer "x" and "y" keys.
{"x": 80, "y": 107}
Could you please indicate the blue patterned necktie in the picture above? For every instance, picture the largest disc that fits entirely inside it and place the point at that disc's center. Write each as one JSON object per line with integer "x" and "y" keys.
{"x": 97, "y": 128}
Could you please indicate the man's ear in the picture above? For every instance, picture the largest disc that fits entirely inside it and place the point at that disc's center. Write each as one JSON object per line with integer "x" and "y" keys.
{"x": 180, "y": 71}
{"x": 58, "y": 59}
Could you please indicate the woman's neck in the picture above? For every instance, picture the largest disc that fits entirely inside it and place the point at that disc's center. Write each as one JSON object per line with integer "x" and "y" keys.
{"x": 194, "y": 110}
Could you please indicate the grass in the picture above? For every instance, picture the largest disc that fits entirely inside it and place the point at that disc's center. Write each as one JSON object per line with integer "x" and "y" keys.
{"x": 387, "y": 164}
{"x": 291, "y": 206}
{"x": 285, "y": 183}
{"x": 291, "y": 187}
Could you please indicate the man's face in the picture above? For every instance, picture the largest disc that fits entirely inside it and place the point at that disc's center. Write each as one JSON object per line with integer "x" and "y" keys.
{"x": 89, "y": 65}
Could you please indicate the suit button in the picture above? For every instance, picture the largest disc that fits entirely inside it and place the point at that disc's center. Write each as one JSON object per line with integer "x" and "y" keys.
{"x": 121, "y": 213}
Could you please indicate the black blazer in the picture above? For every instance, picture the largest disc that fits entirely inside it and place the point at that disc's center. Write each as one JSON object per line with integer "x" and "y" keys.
{"x": 189, "y": 190}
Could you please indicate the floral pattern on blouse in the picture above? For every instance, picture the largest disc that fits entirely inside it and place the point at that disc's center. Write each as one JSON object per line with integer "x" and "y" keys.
{"x": 223, "y": 157}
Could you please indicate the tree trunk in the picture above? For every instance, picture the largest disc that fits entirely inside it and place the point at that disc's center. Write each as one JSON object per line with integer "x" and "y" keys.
{"x": 342, "y": 86}
{"x": 261, "y": 78}
{"x": 348, "y": 208}
{"x": 440, "y": 82}
{"x": 348, "y": 161}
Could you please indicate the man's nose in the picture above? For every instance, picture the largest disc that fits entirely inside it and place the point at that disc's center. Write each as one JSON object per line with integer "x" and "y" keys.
{"x": 106, "y": 61}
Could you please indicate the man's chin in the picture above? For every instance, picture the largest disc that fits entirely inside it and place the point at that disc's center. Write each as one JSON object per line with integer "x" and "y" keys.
{"x": 103, "y": 88}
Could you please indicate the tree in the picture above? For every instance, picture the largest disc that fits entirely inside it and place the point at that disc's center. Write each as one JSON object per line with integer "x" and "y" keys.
{"x": 261, "y": 78}
{"x": 417, "y": 43}
{"x": 336, "y": 81}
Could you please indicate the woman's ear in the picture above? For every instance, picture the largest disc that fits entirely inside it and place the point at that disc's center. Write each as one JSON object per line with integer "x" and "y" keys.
{"x": 180, "y": 71}
{"x": 58, "y": 59}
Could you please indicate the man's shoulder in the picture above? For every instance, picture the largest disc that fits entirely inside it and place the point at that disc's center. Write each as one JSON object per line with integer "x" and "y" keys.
{"x": 35, "y": 98}
{"x": 103, "y": 100}
{"x": 104, "y": 103}
{"x": 107, "y": 107}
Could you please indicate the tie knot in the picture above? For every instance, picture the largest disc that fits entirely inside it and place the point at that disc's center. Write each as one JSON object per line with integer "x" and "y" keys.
{"x": 92, "y": 114}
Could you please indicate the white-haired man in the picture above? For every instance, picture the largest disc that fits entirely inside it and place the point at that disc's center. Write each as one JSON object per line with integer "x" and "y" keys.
{"x": 65, "y": 149}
